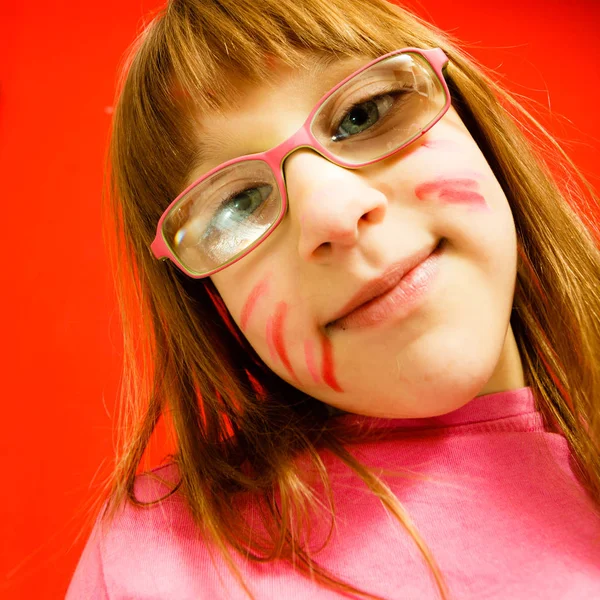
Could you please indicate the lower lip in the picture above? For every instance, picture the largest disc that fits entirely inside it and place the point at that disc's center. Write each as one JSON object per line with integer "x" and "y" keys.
{"x": 400, "y": 301}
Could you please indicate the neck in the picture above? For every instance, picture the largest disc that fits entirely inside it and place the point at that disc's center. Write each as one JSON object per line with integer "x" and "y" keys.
{"x": 508, "y": 374}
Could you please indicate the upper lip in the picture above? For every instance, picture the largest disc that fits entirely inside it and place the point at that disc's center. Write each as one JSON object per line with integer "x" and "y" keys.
{"x": 383, "y": 283}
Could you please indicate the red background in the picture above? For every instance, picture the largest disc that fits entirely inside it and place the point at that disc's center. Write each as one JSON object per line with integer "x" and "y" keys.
{"x": 60, "y": 345}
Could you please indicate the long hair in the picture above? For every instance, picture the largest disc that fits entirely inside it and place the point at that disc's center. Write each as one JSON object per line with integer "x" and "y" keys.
{"x": 237, "y": 427}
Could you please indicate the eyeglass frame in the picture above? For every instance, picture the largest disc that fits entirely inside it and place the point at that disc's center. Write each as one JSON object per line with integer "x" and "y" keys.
{"x": 303, "y": 138}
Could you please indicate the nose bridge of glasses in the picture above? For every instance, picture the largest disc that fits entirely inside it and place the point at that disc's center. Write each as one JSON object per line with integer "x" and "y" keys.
{"x": 299, "y": 140}
{"x": 303, "y": 139}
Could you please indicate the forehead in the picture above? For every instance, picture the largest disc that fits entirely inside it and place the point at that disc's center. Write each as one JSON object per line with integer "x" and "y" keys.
{"x": 258, "y": 116}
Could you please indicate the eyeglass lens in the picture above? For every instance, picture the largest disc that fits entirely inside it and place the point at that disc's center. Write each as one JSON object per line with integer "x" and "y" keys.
{"x": 374, "y": 113}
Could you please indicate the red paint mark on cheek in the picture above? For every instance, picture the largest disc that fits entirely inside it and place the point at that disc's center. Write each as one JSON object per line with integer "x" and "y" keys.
{"x": 431, "y": 187}
{"x": 328, "y": 369}
{"x": 270, "y": 340}
{"x": 309, "y": 355}
{"x": 257, "y": 291}
{"x": 463, "y": 197}
{"x": 278, "y": 341}
{"x": 223, "y": 312}
{"x": 456, "y": 190}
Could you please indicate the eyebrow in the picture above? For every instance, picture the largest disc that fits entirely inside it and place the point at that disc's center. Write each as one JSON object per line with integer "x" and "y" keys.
{"x": 210, "y": 146}
{"x": 204, "y": 148}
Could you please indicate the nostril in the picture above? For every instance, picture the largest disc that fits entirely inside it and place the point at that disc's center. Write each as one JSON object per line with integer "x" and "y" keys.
{"x": 323, "y": 249}
{"x": 375, "y": 214}
{"x": 370, "y": 217}
{"x": 335, "y": 219}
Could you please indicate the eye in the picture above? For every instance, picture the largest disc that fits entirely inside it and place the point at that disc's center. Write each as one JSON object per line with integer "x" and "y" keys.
{"x": 239, "y": 209}
{"x": 241, "y": 205}
{"x": 363, "y": 116}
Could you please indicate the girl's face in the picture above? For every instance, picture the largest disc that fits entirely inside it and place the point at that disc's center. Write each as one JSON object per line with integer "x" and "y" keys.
{"x": 347, "y": 236}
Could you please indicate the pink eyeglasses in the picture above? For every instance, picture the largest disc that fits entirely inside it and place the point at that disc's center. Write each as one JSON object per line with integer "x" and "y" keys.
{"x": 370, "y": 115}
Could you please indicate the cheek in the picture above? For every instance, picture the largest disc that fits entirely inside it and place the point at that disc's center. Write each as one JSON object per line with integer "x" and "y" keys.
{"x": 306, "y": 362}
{"x": 450, "y": 171}
{"x": 258, "y": 291}
{"x": 274, "y": 326}
{"x": 275, "y": 331}
{"x": 461, "y": 188}
{"x": 311, "y": 364}
{"x": 329, "y": 365}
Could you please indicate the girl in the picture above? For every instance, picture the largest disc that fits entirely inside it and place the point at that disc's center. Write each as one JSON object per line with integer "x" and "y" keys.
{"x": 374, "y": 328}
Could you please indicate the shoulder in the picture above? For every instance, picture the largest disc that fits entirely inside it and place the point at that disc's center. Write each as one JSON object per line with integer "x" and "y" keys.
{"x": 159, "y": 506}
{"x": 157, "y": 484}
{"x": 149, "y": 549}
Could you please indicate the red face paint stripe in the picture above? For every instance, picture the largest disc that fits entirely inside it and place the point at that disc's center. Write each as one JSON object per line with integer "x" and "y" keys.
{"x": 463, "y": 197}
{"x": 278, "y": 322}
{"x": 327, "y": 370}
{"x": 269, "y": 336}
{"x": 257, "y": 291}
{"x": 441, "y": 184}
{"x": 309, "y": 355}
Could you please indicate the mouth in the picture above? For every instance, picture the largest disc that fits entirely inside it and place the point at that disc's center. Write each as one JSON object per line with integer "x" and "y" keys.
{"x": 396, "y": 290}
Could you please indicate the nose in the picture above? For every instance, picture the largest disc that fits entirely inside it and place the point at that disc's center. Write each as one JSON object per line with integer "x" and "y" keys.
{"x": 334, "y": 206}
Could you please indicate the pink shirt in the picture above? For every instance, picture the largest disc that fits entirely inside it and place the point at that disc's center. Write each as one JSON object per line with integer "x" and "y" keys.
{"x": 504, "y": 516}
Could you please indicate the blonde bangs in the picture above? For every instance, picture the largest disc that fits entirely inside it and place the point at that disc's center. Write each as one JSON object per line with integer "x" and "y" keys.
{"x": 197, "y": 43}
